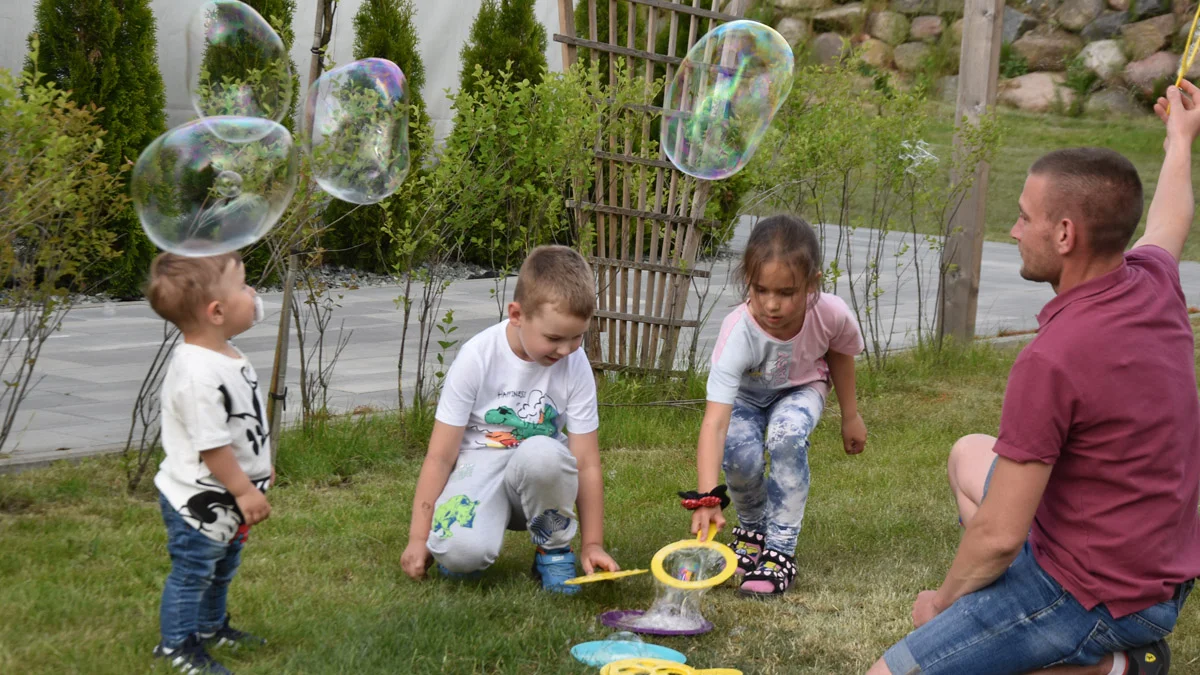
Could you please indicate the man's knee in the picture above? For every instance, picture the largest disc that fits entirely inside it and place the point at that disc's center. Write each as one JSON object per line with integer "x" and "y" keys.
{"x": 969, "y": 455}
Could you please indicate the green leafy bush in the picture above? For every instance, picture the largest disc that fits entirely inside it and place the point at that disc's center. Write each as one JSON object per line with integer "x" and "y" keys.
{"x": 382, "y": 29}
{"x": 104, "y": 54}
{"x": 505, "y": 37}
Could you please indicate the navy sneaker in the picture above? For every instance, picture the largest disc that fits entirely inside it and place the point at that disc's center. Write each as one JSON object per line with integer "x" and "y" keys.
{"x": 226, "y": 636}
{"x": 553, "y": 567}
{"x": 190, "y": 658}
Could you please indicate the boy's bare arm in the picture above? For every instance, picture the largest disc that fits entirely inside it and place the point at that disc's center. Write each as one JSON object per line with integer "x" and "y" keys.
{"x": 1171, "y": 212}
{"x": 225, "y": 468}
{"x": 435, "y": 471}
{"x": 590, "y": 501}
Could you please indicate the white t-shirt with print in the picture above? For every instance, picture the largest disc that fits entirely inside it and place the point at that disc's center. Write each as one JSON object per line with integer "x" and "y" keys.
{"x": 210, "y": 400}
{"x": 502, "y": 399}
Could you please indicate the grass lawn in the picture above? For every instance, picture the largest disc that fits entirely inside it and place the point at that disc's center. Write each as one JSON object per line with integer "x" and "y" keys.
{"x": 1028, "y": 136}
{"x": 83, "y": 562}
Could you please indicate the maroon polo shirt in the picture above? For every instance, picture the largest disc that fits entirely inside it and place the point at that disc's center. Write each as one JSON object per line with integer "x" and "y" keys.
{"x": 1106, "y": 393}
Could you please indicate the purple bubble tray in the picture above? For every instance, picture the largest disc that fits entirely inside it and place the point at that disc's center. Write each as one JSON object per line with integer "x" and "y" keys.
{"x": 621, "y": 619}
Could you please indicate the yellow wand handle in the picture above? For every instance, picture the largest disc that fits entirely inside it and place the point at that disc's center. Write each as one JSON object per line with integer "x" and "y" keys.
{"x": 1189, "y": 53}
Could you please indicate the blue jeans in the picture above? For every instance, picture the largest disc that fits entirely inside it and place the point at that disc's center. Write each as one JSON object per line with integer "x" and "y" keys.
{"x": 193, "y": 599}
{"x": 1025, "y": 621}
{"x": 772, "y": 503}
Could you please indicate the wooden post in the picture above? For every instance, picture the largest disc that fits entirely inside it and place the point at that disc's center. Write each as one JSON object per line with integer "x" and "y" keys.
{"x": 277, "y": 393}
{"x": 963, "y": 251}
{"x": 566, "y": 26}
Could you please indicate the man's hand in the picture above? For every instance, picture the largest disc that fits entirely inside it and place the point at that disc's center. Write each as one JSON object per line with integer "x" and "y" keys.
{"x": 703, "y": 517}
{"x": 854, "y": 434}
{"x": 1183, "y": 122}
{"x": 924, "y": 609}
{"x": 415, "y": 559}
{"x": 594, "y": 556}
{"x": 253, "y": 505}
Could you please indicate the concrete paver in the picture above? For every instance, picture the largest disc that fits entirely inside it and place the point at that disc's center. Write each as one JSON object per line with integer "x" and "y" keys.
{"x": 90, "y": 372}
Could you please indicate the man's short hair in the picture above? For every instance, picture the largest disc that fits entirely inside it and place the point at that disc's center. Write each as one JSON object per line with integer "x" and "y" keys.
{"x": 556, "y": 275}
{"x": 180, "y": 286}
{"x": 1096, "y": 188}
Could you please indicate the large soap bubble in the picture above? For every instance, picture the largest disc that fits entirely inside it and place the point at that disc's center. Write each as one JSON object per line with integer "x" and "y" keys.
{"x": 199, "y": 194}
{"x": 723, "y": 98}
{"x": 356, "y": 124}
{"x": 237, "y": 65}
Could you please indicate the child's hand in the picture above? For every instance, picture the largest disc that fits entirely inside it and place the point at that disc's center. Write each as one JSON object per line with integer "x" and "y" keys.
{"x": 704, "y": 515}
{"x": 254, "y": 506}
{"x": 416, "y": 559}
{"x": 593, "y": 556}
{"x": 854, "y": 434}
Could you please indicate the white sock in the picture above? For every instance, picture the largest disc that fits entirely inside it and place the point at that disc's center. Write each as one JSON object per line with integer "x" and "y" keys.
{"x": 1119, "y": 663}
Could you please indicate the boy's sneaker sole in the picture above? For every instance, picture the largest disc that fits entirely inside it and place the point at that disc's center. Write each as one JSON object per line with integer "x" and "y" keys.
{"x": 227, "y": 636}
{"x": 191, "y": 659}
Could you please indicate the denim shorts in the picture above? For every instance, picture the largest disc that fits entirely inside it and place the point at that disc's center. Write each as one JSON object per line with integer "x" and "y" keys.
{"x": 1025, "y": 621}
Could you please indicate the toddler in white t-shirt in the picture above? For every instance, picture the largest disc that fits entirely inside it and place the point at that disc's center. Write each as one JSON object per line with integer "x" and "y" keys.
{"x": 218, "y": 452}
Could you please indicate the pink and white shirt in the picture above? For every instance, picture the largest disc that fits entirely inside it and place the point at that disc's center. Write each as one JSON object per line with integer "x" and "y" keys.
{"x": 750, "y": 365}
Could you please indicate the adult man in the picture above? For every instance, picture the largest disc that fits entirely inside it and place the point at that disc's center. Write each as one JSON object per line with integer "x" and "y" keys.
{"x": 1082, "y": 554}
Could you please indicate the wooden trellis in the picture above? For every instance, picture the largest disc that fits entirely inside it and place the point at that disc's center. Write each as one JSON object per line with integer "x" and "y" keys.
{"x": 648, "y": 216}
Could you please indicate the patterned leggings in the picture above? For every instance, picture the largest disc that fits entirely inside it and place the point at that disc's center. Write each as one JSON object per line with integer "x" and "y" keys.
{"x": 772, "y": 502}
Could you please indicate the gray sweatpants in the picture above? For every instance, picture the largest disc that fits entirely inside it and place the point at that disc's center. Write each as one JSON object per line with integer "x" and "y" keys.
{"x": 531, "y": 487}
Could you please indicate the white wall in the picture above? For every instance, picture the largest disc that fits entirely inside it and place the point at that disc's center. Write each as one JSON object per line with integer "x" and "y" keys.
{"x": 443, "y": 26}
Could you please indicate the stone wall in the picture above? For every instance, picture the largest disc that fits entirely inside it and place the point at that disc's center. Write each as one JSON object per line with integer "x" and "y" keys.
{"x": 1101, "y": 56}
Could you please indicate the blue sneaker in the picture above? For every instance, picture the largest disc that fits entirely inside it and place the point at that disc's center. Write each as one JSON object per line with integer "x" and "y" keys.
{"x": 553, "y": 567}
{"x": 459, "y": 576}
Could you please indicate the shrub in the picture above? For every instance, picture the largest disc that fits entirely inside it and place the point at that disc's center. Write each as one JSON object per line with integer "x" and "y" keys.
{"x": 1012, "y": 63}
{"x": 103, "y": 54}
{"x": 58, "y": 199}
{"x": 382, "y": 29}
{"x": 506, "y": 36}
{"x": 281, "y": 15}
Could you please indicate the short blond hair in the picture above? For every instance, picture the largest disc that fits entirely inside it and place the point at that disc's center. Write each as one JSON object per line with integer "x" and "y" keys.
{"x": 556, "y": 275}
{"x": 179, "y": 286}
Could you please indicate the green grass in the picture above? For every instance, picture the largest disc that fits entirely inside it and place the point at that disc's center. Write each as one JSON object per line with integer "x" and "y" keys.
{"x": 82, "y": 562}
{"x": 1028, "y": 136}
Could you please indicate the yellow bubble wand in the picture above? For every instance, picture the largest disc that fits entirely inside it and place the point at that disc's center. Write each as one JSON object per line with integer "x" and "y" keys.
{"x": 1189, "y": 53}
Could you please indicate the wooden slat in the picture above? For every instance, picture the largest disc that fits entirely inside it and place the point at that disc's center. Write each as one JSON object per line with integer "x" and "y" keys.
{"x": 649, "y": 267}
{"x": 653, "y": 320}
{"x": 618, "y": 368}
{"x": 634, "y": 159}
{"x": 566, "y": 22}
{"x": 616, "y": 49}
{"x": 634, "y": 213}
{"x": 684, "y": 9}
{"x": 612, "y": 182}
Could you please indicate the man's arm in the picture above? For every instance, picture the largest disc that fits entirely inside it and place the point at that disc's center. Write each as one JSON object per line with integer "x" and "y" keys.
{"x": 590, "y": 501}
{"x": 1173, "y": 208}
{"x": 996, "y": 534}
